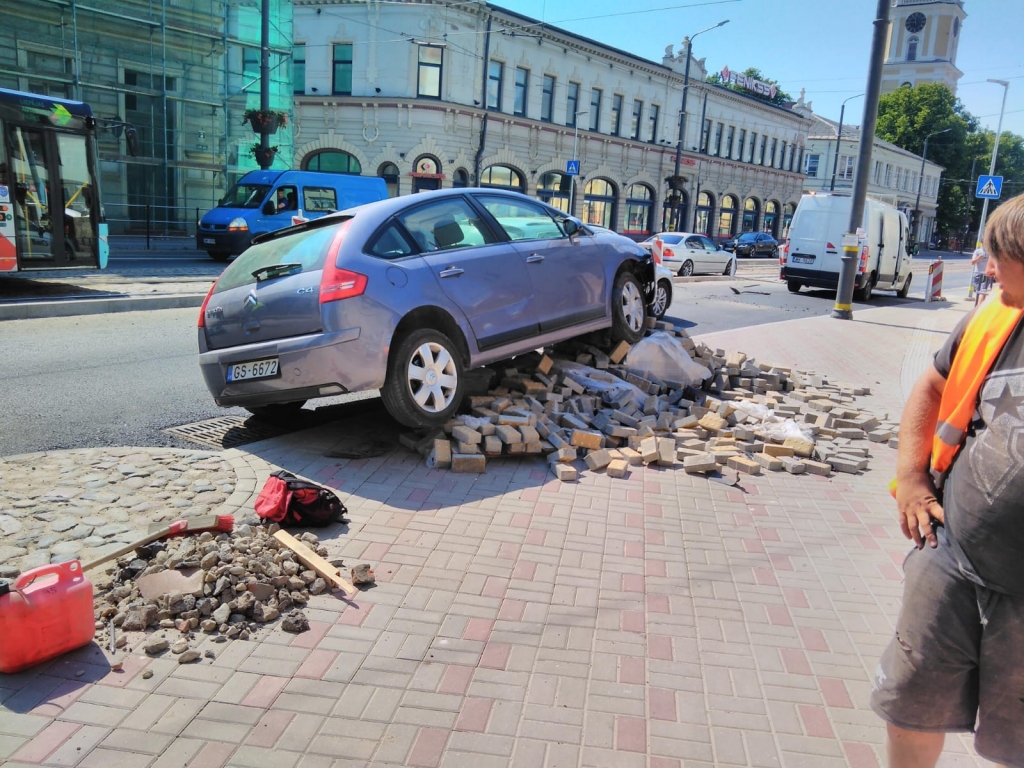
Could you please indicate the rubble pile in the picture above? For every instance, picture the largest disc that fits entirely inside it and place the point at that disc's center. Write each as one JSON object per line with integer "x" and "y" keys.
{"x": 225, "y": 585}
{"x": 584, "y": 407}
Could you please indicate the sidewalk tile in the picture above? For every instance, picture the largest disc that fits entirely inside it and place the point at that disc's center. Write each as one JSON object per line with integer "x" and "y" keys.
{"x": 43, "y": 745}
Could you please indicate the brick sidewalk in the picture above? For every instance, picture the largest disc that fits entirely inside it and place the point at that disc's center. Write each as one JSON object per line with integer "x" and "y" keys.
{"x": 662, "y": 621}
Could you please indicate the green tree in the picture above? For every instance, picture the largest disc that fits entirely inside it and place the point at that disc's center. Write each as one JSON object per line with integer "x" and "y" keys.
{"x": 781, "y": 97}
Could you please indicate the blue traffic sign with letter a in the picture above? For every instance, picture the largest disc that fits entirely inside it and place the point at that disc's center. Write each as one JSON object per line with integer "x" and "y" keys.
{"x": 989, "y": 186}
{"x": 572, "y": 167}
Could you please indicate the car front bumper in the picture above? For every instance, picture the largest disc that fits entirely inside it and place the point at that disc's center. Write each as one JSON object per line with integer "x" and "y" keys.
{"x": 220, "y": 241}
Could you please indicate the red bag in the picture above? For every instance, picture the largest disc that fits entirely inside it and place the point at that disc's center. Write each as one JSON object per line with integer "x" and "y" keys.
{"x": 289, "y": 501}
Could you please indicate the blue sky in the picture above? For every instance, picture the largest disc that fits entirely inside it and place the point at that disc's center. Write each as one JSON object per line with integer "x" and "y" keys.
{"x": 820, "y": 45}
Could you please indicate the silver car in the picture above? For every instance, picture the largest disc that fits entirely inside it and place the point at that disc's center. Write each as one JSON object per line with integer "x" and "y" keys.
{"x": 407, "y": 294}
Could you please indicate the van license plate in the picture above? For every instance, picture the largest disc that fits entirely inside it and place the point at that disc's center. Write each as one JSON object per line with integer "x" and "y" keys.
{"x": 209, "y": 241}
{"x": 257, "y": 369}
{"x": 798, "y": 259}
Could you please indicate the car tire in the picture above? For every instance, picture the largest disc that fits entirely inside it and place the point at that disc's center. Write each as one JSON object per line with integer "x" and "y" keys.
{"x": 730, "y": 268}
{"x": 662, "y": 299}
{"x": 905, "y": 290}
{"x": 219, "y": 256}
{"x": 775, "y": 251}
{"x": 794, "y": 286}
{"x": 425, "y": 379}
{"x": 864, "y": 293}
{"x": 687, "y": 269}
{"x": 629, "y": 312}
{"x": 276, "y": 411}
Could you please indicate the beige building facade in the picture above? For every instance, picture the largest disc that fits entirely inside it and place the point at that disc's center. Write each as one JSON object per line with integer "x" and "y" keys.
{"x": 923, "y": 39}
{"x": 431, "y": 95}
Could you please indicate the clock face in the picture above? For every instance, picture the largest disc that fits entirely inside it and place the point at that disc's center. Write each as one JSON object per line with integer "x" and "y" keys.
{"x": 915, "y": 22}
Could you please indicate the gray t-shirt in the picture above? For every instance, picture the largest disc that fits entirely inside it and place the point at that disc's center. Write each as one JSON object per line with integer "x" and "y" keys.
{"x": 984, "y": 493}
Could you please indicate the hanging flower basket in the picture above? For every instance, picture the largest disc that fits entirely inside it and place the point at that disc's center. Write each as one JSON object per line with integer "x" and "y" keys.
{"x": 264, "y": 157}
{"x": 267, "y": 121}
{"x": 676, "y": 183}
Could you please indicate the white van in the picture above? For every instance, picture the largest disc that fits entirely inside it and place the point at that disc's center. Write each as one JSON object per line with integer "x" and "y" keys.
{"x": 813, "y": 256}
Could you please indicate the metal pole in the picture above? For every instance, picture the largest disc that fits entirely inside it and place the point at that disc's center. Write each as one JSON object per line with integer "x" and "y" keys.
{"x": 839, "y": 139}
{"x": 843, "y": 309}
{"x": 992, "y": 165}
{"x": 148, "y": 216}
{"x": 265, "y": 81}
{"x": 920, "y": 182}
{"x": 575, "y": 145}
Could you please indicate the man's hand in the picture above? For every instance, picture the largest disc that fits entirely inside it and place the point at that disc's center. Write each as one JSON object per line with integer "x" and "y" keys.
{"x": 917, "y": 505}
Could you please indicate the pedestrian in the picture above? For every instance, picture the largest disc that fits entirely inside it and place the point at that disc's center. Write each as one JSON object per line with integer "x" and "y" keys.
{"x": 979, "y": 262}
{"x": 956, "y": 661}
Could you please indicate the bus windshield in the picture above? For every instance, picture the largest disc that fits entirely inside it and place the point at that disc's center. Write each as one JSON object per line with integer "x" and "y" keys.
{"x": 244, "y": 196}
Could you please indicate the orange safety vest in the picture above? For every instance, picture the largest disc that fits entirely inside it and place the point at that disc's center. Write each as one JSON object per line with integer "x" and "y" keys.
{"x": 983, "y": 340}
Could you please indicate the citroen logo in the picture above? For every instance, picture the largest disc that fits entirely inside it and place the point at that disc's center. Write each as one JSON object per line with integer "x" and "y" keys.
{"x": 251, "y": 302}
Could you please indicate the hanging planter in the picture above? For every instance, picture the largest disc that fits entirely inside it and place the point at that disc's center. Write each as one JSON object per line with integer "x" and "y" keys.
{"x": 676, "y": 183}
{"x": 264, "y": 157}
{"x": 265, "y": 121}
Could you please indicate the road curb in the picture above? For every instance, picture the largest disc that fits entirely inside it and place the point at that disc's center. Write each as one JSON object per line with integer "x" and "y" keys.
{"x": 75, "y": 307}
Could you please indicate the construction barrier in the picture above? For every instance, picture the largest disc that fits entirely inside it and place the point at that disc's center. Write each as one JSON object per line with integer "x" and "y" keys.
{"x": 933, "y": 288}
{"x": 656, "y": 247}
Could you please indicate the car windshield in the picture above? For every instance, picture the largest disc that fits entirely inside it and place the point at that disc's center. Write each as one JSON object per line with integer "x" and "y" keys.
{"x": 306, "y": 249}
{"x": 244, "y": 196}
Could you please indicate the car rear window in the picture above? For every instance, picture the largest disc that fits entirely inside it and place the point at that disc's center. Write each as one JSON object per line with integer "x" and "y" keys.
{"x": 390, "y": 243}
{"x": 671, "y": 239}
{"x": 307, "y": 248}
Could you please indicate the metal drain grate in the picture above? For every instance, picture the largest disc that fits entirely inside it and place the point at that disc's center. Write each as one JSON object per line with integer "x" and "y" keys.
{"x": 230, "y": 431}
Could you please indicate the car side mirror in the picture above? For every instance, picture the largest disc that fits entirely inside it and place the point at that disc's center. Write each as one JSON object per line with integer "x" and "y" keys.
{"x": 571, "y": 226}
{"x": 269, "y": 209}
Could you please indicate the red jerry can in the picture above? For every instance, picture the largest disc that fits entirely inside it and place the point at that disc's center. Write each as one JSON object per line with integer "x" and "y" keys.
{"x": 46, "y": 612}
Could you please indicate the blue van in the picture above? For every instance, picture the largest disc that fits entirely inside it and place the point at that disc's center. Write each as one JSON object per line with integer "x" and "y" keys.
{"x": 263, "y": 201}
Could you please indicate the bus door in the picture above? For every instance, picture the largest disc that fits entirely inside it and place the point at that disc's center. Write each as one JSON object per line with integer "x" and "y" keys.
{"x": 53, "y": 201}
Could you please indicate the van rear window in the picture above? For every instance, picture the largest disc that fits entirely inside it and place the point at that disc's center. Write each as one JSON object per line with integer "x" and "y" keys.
{"x": 810, "y": 224}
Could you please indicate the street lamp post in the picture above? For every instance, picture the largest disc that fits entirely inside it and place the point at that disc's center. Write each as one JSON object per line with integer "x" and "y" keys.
{"x": 575, "y": 142}
{"x": 682, "y": 111}
{"x": 839, "y": 141}
{"x": 920, "y": 181}
{"x": 992, "y": 165}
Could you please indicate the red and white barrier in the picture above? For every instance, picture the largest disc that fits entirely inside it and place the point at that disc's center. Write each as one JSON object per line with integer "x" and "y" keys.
{"x": 656, "y": 248}
{"x": 933, "y": 288}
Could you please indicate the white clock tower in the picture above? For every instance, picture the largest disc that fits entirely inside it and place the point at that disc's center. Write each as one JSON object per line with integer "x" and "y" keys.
{"x": 922, "y": 43}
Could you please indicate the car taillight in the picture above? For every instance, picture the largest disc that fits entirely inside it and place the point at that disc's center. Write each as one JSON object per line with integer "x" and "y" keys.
{"x": 863, "y": 259}
{"x": 668, "y": 253}
{"x": 783, "y": 254}
{"x": 337, "y": 283}
{"x": 202, "y": 310}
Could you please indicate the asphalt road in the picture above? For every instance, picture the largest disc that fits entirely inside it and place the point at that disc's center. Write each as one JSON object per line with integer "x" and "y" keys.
{"x": 121, "y": 379}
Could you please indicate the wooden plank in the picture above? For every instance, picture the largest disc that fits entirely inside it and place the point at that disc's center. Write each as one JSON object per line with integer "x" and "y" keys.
{"x": 311, "y": 559}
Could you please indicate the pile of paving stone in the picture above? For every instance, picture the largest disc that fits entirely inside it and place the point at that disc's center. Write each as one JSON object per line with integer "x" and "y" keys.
{"x": 224, "y": 585}
{"x": 745, "y": 416}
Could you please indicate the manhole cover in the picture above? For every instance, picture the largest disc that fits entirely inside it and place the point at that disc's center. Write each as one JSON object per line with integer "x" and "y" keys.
{"x": 230, "y": 431}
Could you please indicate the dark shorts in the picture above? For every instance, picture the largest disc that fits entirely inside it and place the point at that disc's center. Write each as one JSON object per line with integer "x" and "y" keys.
{"x": 957, "y": 659}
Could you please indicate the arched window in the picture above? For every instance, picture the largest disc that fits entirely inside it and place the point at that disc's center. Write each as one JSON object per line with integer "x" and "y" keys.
{"x": 639, "y": 204}
{"x": 332, "y": 161}
{"x": 727, "y": 216}
{"x": 461, "y": 178}
{"x": 599, "y": 203}
{"x": 787, "y": 219}
{"x": 553, "y": 188}
{"x": 771, "y": 219}
{"x": 751, "y": 209}
{"x": 389, "y": 172}
{"x": 502, "y": 177}
{"x": 674, "y": 212}
{"x": 912, "y": 49}
{"x": 702, "y": 219}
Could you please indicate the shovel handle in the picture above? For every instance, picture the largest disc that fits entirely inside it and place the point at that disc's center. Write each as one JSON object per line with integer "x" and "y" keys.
{"x": 167, "y": 530}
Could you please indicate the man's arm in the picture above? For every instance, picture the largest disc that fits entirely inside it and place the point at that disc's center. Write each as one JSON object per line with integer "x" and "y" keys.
{"x": 915, "y": 492}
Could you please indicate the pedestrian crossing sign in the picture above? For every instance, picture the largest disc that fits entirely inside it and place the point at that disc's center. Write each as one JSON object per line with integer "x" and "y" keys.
{"x": 989, "y": 187}
{"x": 572, "y": 167}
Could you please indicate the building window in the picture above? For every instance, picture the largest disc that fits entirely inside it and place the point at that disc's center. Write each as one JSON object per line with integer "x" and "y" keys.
{"x": 553, "y": 189}
{"x": 705, "y": 137}
{"x": 727, "y": 216}
{"x": 572, "y": 104}
{"x": 846, "y": 168}
{"x": 899, "y": 177}
{"x": 599, "y": 203}
{"x": 888, "y": 174}
{"x": 877, "y": 175}
{"x": 460, "y": 178}
{"x": 751, "y": 209}
{"x": 299, "y": 68}
{"x": 702, "y": 214}
{"x": 639, "y": 204}
{"x": 502, "y": 177}
{"x": 718, "y": 139}
{"x": 753, "y": 147}
{"x": 616, "y": 114}
{"x": 634, "y": 124}
{"x": 495, "y": 72}
{"x": 653, "y": 119}
{"x": 332, "y": 161}
{"x": 787, "y": 219}
{"x": 912, "y": 49}
{"x": 771, "y": 157}
{"x": 595, "y": 109}
{"x": 782, "y": 156}
{"x": 429, "y": 80}
{"x": 764, "y": 147}
{"x": 771, "y": 219}
{"x": 800, "y": 160}
{"x": 547, "y": 99}
{"x": 250, "y": 62}
{"x": 389, "y": 172}
{"x": 522, "y": 78}
{"x": 811, "y": 165}
{"x": 51, "y": 75}
{"x": 741, "y": 144}
{"x": 730, "y": 135}
{"x": 341, "y": 83}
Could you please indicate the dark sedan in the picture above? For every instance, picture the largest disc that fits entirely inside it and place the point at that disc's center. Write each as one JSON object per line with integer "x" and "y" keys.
{"x": 753, "y": 244}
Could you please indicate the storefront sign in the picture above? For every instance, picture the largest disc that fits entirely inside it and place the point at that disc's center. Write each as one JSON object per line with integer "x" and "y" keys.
{"x": 748, "y": 83}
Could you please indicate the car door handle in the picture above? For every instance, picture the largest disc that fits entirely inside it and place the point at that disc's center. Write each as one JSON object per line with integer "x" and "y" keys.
{"x": 451, "y": 272}
{"x": 533, "y": 258}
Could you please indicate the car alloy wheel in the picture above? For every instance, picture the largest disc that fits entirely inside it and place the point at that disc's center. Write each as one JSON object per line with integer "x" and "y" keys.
{"x": 632, "y": 306}
{"x": 432, "y": 376}
{"x": 730, "y": 268}
{"x": 662, "y": 297}
{"x": 687, "y": 269}
{"x": 629, "y": 310}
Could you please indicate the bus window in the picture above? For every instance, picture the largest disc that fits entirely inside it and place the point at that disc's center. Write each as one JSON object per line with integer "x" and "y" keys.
{"x": 32, "y": 220}
{"x": 79, "y": 227}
